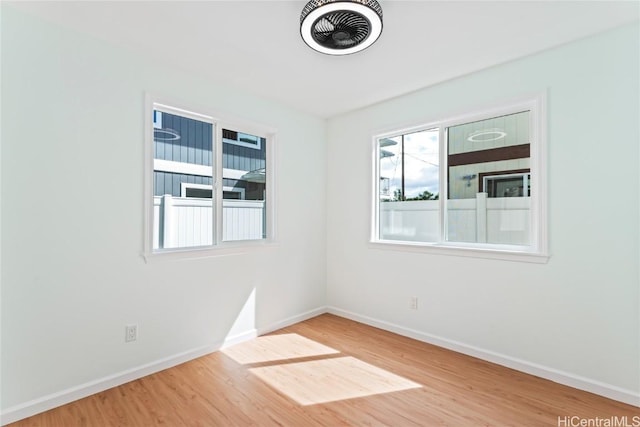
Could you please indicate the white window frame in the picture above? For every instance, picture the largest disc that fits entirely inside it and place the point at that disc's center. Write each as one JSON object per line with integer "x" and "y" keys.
{"x": 524, "y": 176}
{"x": 186, "y": 185}
{"x": 537, "y": 251}
{"x": 241, "y": 191}
{"x": 257, "y": 146}
{"x": 219, "y": 121}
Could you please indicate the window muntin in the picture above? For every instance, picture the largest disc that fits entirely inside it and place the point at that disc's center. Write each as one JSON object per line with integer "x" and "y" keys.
{"x": 482, "y": 155}
{"x": 187, "y": 156}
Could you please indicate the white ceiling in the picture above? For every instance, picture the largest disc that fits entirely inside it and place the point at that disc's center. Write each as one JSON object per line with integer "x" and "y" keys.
{"x": 256, "y": 45}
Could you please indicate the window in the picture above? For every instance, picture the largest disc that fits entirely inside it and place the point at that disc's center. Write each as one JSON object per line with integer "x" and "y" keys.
{"x": 200, "y": 191}
{"x": 206, "y": 191}
{"x": 241, "y": 139}
{"x": 471, "y": 185}
{"x": 507, "y": 185}
{"x": 203, "y": 189}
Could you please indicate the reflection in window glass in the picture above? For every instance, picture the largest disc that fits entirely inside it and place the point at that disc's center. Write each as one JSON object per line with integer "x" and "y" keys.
{"x": 409, "y": 186}
{"x": 182, "y": 172}
{"x": 488, "y": 181}
{"x": 185, "y": 202}
{"x": 512, "y": 185}
{"x": 489, "y": 196}
{"x": 244, "y": 181}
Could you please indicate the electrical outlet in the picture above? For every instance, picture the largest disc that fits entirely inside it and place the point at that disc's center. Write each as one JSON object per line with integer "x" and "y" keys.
{"x": 131, "y": 333}
{"x": 413, "y": 303}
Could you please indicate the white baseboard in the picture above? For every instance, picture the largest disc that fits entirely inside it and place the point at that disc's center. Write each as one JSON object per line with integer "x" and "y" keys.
{"x": 253, "y": 333}
{"x": 607, "y": 390}
{"x": 63, "y": 397}
{"x": 292, "y": 320}
{"x": 42, "y": 404}
{"x": 69, "y": 395}
{"x": 237, "y": 339}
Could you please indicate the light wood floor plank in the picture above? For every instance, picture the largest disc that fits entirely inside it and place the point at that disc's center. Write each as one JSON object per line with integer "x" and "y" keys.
{"x": 226, "y": 388}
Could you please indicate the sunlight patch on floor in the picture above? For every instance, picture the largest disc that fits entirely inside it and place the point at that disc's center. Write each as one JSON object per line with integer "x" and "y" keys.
{"x": 270, "y": 348}
{"x": 329, "y": 380}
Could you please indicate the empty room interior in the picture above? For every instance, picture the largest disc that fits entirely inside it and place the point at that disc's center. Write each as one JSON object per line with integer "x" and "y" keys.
{"x": 293, "y": 213}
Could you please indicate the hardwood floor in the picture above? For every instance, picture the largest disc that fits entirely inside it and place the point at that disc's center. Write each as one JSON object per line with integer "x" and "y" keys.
{"x": 329, "y": 371}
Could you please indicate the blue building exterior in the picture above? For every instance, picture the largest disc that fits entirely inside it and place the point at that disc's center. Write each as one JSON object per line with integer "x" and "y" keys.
{"x": 183, "y": 153}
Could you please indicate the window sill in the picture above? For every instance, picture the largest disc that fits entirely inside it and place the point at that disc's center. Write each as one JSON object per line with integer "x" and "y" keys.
{"x": 224, "y": 249}
{"x": 464, "y": 251}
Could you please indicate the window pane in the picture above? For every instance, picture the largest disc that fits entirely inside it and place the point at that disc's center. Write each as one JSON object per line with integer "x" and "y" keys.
{"x": 244, "y": 186}
{"x": 183, "y": 178}
{"x": 488, "y": 177}
{"x": 201, "y": 193}
{"x": 409, "y": 187}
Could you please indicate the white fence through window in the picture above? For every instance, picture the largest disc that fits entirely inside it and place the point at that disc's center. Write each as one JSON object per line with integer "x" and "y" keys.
{"x": 186, "y": 222}
{"x": 500, "y": 220}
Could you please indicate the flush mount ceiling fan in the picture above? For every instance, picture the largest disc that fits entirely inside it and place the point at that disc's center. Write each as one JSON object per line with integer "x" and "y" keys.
{"x": 341, "y": 27}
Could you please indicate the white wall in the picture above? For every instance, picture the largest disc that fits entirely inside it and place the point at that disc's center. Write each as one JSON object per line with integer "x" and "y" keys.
{"x": 72, "y": 274}
{"x": 576, "y": 318}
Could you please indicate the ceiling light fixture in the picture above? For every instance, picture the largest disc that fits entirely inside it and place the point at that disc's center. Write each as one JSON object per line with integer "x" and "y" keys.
{"x": 486, "y": 135}
{"x": 339, "y": 27}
